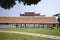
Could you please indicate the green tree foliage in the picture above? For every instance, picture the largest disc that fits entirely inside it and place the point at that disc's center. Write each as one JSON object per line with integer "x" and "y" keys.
{"x": 58, "y": 16}
{"x": 7, "y": 4}
{"x": 59, "y": 20}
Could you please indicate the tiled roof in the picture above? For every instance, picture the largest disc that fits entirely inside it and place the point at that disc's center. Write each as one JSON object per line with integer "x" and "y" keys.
{"x": 28, "y": 19}
{"x": 30, "y": 14}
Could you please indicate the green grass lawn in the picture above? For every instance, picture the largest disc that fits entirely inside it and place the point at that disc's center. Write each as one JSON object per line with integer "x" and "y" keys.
{"x": 35, "y": 30}
{"x": 11, "y": 36}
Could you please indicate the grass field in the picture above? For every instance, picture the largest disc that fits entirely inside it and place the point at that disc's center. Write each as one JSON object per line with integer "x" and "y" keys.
{"x": 35, "y": 30}
{"x": 9, "y": 36}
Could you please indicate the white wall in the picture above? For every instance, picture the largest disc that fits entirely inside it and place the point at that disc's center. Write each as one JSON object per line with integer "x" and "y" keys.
{"x": 7, "y": 26}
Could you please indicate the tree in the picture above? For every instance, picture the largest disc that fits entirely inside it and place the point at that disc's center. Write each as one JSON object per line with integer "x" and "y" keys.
{"x": 59, "y": 20}
{"x": 7, "y": 4}
{"x": 58, "y": 16}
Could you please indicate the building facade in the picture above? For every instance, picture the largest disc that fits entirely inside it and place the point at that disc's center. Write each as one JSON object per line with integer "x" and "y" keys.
{"x": 29, "y": 20}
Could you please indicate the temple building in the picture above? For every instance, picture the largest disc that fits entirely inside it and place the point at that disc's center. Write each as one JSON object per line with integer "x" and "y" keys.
{"x": 29, "y": 20}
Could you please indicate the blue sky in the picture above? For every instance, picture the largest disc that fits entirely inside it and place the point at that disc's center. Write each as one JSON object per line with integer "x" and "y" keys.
{"x": 45, "y": 7}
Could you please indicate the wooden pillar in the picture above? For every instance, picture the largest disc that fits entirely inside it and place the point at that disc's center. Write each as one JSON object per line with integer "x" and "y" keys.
{"x": 28, "y": 25}
{"x": 47, "y": 25}
{"x": 38, "y": 25}
{"x": 16, "y": 25}
{"x": 34, "y": 25}
{"x": 56, "y": 26}
{"x": 20, "y": 25}
{"x": 43, "y": 25}
{"x": 25, "y": 25}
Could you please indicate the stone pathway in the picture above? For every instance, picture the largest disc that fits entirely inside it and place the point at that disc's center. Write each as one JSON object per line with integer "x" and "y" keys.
{"x": 34, "y": 34}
